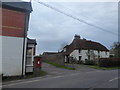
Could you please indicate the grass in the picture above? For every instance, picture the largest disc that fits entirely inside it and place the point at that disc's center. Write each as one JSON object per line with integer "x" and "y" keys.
{"x": 59, "y": 66}
{"x": 27, "y": 76}
{"x": 104, "y": 68}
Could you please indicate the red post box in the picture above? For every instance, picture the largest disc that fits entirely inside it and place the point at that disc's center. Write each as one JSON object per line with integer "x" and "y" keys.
{"x": 37, "y": 62}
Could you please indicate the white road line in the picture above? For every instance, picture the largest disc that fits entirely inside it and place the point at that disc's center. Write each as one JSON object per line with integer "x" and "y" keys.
{"x": 30, "y": 81}
{"x": 90, "y": 88}
{"x": 114, "y": 79}
{"x": 23, "y": 80}
{"x": 38, "y": 79}
{"x": 57, "y": 76}
{"x": 73, "y": 74}
{"x": 20, "y": 83}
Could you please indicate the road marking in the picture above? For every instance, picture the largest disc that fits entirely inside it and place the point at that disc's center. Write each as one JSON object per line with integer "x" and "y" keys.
{"x": 90, "y": 88}
{"x": 57, "y": 76}
{"x": 74, "y": 74}
{"x": 114, "y": 79}
{"x": 30, "y": 81}
{"x": 38, "y": 79}
{"x": 24, "y": 80}
{"x": 20, "y": 83}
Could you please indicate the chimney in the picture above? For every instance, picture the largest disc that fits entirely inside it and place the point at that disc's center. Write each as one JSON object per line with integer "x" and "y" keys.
{"x": 77, "y": 36}
{"x": 84, "y": 39}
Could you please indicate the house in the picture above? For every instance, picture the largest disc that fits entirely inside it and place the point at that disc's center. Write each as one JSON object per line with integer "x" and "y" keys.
{"x": 15, "y": 20}
{"x": 31, "y": 52}
{"x": 82, "y": 49}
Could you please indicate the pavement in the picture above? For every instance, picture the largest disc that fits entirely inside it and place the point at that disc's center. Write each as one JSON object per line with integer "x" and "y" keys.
{"x": 83, "y": 77}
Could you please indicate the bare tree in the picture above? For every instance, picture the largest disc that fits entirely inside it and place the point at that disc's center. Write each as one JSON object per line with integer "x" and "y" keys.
{"x": 116, "y": 49}
{"x": 62, "y": 46}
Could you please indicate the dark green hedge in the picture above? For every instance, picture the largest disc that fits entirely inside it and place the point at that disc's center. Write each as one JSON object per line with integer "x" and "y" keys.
{"x": 89, "y": 62}
{"x": 109, "y": 62}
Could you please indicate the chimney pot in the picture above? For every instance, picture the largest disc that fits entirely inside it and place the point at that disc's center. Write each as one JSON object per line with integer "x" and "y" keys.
{"x": 77, "y": 36}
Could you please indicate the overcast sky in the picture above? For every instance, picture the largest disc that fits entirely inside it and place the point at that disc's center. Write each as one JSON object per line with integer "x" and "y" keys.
{"x": 51, "y": 29}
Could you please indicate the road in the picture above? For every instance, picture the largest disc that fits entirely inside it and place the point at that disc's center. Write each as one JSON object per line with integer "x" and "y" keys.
{"x": 84, "y": 77}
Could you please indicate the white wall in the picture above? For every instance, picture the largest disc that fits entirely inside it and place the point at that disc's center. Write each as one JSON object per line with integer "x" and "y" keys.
{"x": 1, "y": 62}
{"x": 75, "y": 54}
{"x": 12, "y": 50}
{"x": 0, "y": 55}
{"x": 103, "y": 54}
{"x": 83, "y": 53}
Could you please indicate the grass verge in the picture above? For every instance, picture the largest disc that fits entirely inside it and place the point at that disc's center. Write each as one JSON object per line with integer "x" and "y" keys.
{"x": 59, "y": 66}
{"x": 27, "y": 76}
{"x": 104, "y": 68}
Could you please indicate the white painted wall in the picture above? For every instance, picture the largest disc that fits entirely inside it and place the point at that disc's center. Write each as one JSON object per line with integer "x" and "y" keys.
{"x": 12, "y": 50}
{"x": 65, "y": 59}
{"x": 0, "y": 55}
{"x": 0, "y": 63}
{"x": 75, "y": 54}
{"x": 0, "y": 49}
{"x": 83, "y": 53}
{"x": 103, "y": 54}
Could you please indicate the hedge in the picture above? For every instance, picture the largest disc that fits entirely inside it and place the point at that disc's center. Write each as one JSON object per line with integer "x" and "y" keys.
{"x": 90, "y": 62}
{"x": 109, "y": 62}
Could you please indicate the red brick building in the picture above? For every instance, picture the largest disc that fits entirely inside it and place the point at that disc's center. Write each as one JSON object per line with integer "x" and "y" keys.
{"x": 15, "y": 20}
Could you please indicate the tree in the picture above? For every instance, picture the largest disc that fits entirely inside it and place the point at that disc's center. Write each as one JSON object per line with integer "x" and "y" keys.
{"x": 62, "y": 46}
{"x": 116, "y": 49}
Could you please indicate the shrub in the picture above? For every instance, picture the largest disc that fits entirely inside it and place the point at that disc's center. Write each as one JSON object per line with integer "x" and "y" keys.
{"x": 89, "y": 62}
{"x": 80, "y": 62}
{"x": 109, "y": 62}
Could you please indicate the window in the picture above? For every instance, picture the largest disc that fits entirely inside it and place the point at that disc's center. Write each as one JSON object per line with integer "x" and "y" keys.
{"x": 106, "y": 53}
{"x": 79, "y": 58}
{"x": 29, "y": 61}
{"x": 29, "y": 51}
{"x": 79, "y": 50}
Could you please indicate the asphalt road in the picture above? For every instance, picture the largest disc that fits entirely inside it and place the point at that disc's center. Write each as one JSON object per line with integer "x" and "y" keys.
{"x": 82, "y": 78}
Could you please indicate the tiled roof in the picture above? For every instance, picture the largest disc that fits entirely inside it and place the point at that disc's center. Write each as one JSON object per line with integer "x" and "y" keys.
{"x": 22, "y": 6}
{"x": 84, "y": 44}
{"x": 49, "y": 53}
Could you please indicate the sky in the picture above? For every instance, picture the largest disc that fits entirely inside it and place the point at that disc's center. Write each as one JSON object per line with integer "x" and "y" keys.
{"x": 52, "y": 29}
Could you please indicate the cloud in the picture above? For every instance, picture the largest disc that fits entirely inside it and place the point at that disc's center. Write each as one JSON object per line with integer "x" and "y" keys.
{"x": 52, "y": 29}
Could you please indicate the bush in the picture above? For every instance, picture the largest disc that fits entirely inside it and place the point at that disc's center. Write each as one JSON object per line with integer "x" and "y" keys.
{"x": 109, "y": 62}
{"x": 89, "y": 62}
{"x": 80, "y": 62}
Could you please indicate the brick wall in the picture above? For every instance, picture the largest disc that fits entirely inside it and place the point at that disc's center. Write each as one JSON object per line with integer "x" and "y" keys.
{"x": 55, "y": 58}
{"x": 13, "y": 23}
